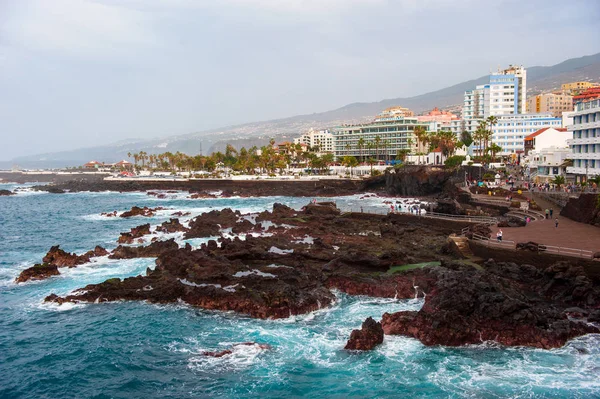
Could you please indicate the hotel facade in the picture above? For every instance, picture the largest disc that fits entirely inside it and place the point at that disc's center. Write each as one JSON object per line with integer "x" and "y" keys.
{"x": 395, "y": 132}
{"x": 585, "y": 144}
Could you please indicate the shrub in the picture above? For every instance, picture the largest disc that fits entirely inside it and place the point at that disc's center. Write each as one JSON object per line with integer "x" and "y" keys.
{"x": 488, "y": 176}
{"x": 376, "y": 172}
{"x": 455, "y": 160}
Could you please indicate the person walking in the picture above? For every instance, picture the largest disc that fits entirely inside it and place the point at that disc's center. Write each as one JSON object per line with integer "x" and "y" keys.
{"x": 556, "y": 223}
{"x": 551, "y": 212}
{"x": 499, "y": 235}
{"x": 547, "y": 213}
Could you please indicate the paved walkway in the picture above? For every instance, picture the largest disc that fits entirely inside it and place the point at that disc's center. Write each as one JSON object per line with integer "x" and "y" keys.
{"x": 569, "y": 234}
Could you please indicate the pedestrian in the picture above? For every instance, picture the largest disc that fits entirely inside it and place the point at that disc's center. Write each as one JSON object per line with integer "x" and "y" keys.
{"x": 556, "y": 223}
{"x": 499, "y": 235}
{"x": 361, "y": 209}
{"x": 547, "y": 213}
{"x": 528, "y": 220}
{"x": 551, "y": 212}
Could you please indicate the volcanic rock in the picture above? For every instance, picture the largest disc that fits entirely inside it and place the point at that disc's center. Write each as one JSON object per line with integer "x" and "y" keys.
{"x": 151, "y": 251}
{"x": 230, "y": 351}
{"x": 137, "y": 211}
{"x": 38, "y": 272}
{"x": 171, "y": 226}
{"x": 136, "y": 232}
{"x": 6, "y": 193}
{"x": 210, "y": 224}
{"x": 469, "y": 306}
{"x": 369, "y": 336}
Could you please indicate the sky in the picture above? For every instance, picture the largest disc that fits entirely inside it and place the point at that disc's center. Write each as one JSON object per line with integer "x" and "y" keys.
{"x": 78, "y": 73}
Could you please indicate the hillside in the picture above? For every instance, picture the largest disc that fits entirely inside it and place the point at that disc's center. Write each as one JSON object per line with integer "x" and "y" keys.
{"x": 539, "y": 78}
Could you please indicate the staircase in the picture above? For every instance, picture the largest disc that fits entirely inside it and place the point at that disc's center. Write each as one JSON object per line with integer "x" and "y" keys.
{"x": 462, "y": 245}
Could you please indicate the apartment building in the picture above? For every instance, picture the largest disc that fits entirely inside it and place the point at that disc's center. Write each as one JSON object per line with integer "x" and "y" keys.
{"x": 585, "y": 144}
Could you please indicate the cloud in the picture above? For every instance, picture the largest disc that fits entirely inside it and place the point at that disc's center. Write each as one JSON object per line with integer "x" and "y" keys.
{"x": 77, "y": 27}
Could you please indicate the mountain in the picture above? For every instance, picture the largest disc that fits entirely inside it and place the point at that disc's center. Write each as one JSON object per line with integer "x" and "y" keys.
{"x": 539, "y": 78}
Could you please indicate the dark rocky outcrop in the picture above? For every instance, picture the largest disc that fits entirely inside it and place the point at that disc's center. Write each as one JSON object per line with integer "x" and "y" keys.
{"x": 171, "y": 226}
{"x": 369, "y": 336}
{"x": 584, "y": 209}
{"x": 6, "y": 193}
{"x": 318, "y": 249}
{"x": 38, "y": 272}
{"x": 151, "y": 251}
{"x": 137, "y": 211}
{"x": 411, "y": 181}
{"x": 511, "y": 221}
{"x": 56, "y": 258}
{"x": 210, "y": 224}
{"x": 61, "y": 258}
{"x": 507, "y": 303}
{"x": 136, "y": 232}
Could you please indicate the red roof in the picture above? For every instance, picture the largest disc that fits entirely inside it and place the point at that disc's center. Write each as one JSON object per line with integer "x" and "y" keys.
{"x": 535, "y": 134}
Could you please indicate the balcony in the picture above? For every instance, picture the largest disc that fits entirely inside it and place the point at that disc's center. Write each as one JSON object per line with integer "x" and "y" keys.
{"x": 583, "y": 171}
{"x": 585, "y": 155}
{"x": 585, "y": 125}
{"x": 584, "y": 140}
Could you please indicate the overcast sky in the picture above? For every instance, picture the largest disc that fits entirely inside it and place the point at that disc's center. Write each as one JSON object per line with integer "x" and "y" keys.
{"x": 78, "y": 73}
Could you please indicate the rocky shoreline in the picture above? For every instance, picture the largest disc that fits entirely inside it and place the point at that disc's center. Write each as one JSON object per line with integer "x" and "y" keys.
{"x": 290, "y": 262}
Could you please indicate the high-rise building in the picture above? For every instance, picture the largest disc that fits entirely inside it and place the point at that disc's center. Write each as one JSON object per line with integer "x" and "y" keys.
{"x": 503, "y": 95}
{"x": 510, "y": 130}
{"x": 585, "y": 144}
{"x": 382, "y": 138}
{"x": 554, "y": 103}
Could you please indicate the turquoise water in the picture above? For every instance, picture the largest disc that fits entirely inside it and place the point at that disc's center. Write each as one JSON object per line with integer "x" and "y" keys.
{"x": 130, "y": 350}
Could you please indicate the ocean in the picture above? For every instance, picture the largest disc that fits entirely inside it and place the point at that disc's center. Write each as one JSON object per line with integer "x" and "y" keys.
{"x": 141, "y": 350}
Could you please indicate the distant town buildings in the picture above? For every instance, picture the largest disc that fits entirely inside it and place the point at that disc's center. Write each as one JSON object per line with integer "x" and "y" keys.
{"x": 321, "y": 140}
{"x": 576, "y": 87}
{"x": 394, "y": 112}
{"x": 587, "y": 94}
{"x": 554, "y": 103}
{"x": 107, "y": 166}
{"x": 436, "y": 115}
{"x": 585, "y": 144}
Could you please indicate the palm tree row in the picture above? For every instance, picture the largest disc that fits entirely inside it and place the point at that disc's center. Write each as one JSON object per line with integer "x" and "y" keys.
{"x": 266, "y": 159}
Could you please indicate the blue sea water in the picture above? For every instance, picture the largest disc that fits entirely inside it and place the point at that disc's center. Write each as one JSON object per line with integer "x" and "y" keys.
{"x": 140, "y": 350}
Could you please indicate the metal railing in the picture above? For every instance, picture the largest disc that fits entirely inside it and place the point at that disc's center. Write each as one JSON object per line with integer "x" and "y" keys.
{"x": 491, "y": 243}
{"x": 576, "y": 252}
{"x": 431, "y": 215}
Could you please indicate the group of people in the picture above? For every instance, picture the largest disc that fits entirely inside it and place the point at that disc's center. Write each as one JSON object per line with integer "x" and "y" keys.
{"x": 414, "y": 209}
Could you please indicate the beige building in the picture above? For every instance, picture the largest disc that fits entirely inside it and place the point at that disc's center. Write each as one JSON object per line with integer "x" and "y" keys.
{"x": 395, "y": 112}
{"x": 552, "y": 103}
{"x": 577, "y": 87}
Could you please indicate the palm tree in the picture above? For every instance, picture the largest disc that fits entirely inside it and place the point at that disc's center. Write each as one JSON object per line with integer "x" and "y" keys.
{"x": 361, "y": 145}
{"x": 377, "y": 144}
{"x": 559, "y": 181}
{"x": 420, "y": 134}
{"x": 491, "y": 122}
{"x": 494, "y": 149}
{"x": 370, "y": 147}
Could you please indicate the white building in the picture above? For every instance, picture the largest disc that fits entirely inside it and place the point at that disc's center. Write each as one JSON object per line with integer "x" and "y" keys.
{"x": 546, "y": 138}
{"x": 505, "y": 94}
{"x": 585, "y": 144}
{"x": 546, "y": 164}
{"x": 323, "y": 139}
{"x": 511, "y": 130}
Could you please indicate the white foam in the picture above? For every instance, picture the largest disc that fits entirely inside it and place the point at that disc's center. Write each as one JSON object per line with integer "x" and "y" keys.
{"x": 254, "y": 272}
{"x": 275, "y": 250}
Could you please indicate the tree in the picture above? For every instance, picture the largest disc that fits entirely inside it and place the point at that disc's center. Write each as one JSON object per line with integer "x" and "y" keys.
{"x": 494, "y": 149}
{"x": 455, "y": 160}
{"x": 466, "y": 138}
{"x": 491, "y": 122}
{"x": 349, "y": 162}
{"x": 402, "y": 154}
{"x": 420, "y": 134}
{"x": 377, "y": 145}
{"x": 559, "y": 181}
{"x": 361, "y": 145}
{"x": 480, "y": 135}
{"x": 371, "y": 161}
